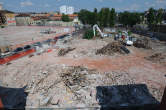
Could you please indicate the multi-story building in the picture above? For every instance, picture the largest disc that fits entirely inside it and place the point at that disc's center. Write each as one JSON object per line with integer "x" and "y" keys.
{"x": 7, "y": 18}
{"x": 66, "y": 9}
{"x": 70, "y": 10}
{"x": 38, "y": 20}
{"x": 23, "y": 20}
{"x": 63, "y": 9}
{"x": 11, "y": 21}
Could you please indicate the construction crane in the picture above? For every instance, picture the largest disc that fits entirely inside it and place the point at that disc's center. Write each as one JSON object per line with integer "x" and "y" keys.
{"x": 101, "y": 33}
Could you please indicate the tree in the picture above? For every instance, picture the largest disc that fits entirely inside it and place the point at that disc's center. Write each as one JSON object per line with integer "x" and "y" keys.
{"x": 103, "y": 17}
{"x": 151, "y": 17}
{"x": 95, "y": 16}
{"x": 112, "y": 17}
{"x": 129, "y": 19}
{"x": 88, "y": 34}
{"x": 88, "y": 17}
{"x": 159, "y": 16}
{"x": 65, "y": 18}
{"x": 83, "y": 16}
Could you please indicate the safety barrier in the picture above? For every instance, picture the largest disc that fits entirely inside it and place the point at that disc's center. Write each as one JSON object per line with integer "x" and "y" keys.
{"x": 27, "y": 52}
{"x": 16, "y": 56}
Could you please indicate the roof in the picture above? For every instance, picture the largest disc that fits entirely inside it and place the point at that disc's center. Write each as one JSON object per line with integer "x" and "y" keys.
{"x": 57, "y": 15}
{"x": 5, "y": 11}
{"x": 70, "y": 15}
{"x": 39, "y": 17}
{"x": 23, "y": 15}
{"x": 73, "y": 15}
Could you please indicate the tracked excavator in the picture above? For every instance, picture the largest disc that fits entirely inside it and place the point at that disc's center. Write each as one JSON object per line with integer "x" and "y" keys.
{"x": 101, "y": 33}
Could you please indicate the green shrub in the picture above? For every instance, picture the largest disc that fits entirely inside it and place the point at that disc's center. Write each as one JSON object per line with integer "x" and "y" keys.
{"x": 129, "y": 33}
{"x": 65, "y": 18}
{"x": 2, "y": 26}
{"x": 119, "y": 31}
{"x": 88, "y": 34}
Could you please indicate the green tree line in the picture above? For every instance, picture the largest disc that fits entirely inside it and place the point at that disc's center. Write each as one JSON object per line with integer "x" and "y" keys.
{"x": 107, "y": 17}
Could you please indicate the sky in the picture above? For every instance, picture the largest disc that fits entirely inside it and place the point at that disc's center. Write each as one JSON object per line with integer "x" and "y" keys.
{"x": 53, "y": 5}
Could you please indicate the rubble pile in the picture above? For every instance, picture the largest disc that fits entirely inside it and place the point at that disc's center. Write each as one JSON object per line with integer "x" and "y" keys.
{"x": 39, "y": 83}
{"x": 75, "y": 78}
{"x": 142, "y": 43}
{"x": 157, "y": 57}
{"x": 63, "y": 52}
{"x": 78, "y": 81}
{"x": 119, "y": 78}
{"x": 114, "y": 47}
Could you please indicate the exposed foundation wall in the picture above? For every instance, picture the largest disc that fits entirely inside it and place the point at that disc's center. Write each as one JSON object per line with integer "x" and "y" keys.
{"x": 59, "y": 23}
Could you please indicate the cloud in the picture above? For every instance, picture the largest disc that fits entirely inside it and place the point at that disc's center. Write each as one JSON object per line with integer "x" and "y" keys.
{"x": 120, "y": 1}
{"x": 148, "y": 4}
{"x": 110, "y": 0}
{"x": 100, "y": 0}
{"x": 133, "y": 7}
{"x": 160, "y": 1}
{"x": 46, "y": 5}
{"x": 26, "y": 3}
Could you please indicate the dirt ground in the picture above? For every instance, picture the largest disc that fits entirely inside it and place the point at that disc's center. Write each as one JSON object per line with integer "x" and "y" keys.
{"x": 17, "y": 35}
{"x": 41, "y": 74}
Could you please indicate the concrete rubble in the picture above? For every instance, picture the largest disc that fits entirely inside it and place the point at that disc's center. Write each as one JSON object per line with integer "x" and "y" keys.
{"x": 142, "y": 43}
{"x": 112, "y": 48}
{"x": 78, "y": 83}
{"x": 93, "y": 72}
{"x": 63, "y": 52}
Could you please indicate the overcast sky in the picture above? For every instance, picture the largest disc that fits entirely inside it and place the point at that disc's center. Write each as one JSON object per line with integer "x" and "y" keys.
{"x": 53, "y": 5}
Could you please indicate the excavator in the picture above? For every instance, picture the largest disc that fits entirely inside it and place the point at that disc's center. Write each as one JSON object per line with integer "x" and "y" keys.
{"x": 127, "y": 40}
{"x": 101, "y": 33}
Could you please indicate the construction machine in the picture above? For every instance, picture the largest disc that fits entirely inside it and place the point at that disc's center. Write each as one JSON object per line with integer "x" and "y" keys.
{"x": 128, "y": 41}
{"x": 101, "y": 33}
{"x": 126, "y": 38}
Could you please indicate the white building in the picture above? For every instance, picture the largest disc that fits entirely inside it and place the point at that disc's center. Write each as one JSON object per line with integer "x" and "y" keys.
{"x": 70, "y": 10}
{"x": 63, "y": 9}
{"x": 66, "y": 9}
